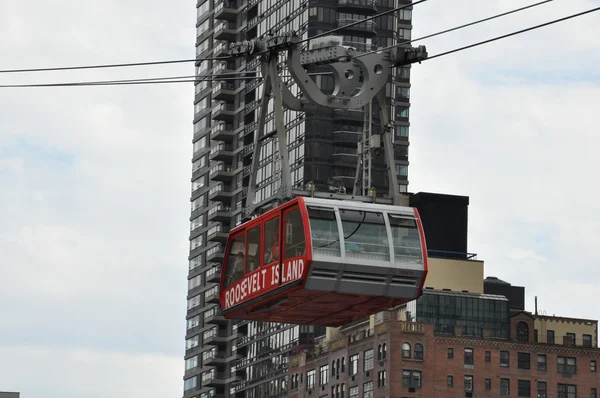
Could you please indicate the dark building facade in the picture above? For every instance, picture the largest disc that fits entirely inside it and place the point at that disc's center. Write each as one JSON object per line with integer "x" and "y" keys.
{"x": 396, "y": 359}
{"x": 445, "y": 221}
{"x": 249, "y": 359}
{"x": 514, "y": 294}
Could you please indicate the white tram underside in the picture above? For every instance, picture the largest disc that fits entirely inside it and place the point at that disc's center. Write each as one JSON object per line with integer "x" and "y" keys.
{"x": 364, "y": 249}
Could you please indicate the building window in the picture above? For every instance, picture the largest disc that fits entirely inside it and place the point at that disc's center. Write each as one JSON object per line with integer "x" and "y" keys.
{"x": 295, "y": 381}
{"x": 587, "y": 340}
{"x": 550, "y": 336}
{"x": 310, "y": 379}
{"x": 324, "y": 375}
{"x": 504, "y": 386}
{"x": 450, "y": 353}
{"x": 333, "y": 367}
{"x": 541, "y": 362}
{"x": 188, "y": 384}
{"x": 593, "y": 366}
{"x": 450, "y": 381}
{"x": 522, "y": 331}
{"x": 191, "y": 362}
{"x": 488, "y": 384}
{"x": 504, "y": 359}
{"x": 381, "y": 352}
{"x": 468, "y": 383}
{"x": 405, "y": 350}
{"x": 468, "y": 356}
{"x": 541, "y": 389}
{"x": 411, "y": 378}
{"x": 594, "y": 393}
{"x": 354, "y": 364}
{"x": 368, "y": 360}
{"x": 353, "y": 392}
{"x": 524, "y": 388}
{"x": 567, "y": 391}
{"x": 381, "y": 379}
{"x": 566, "y": 365}
{"x": 419, "y": 351}
{"x": 524, "y": 361}
{"x": 343, "y": 364}
{"x": 488, "y": 356}
{"x": 368, "y": 390}
{"x": 570, "y": 338}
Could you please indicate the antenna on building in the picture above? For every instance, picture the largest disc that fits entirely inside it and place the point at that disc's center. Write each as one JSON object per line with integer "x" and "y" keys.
{"x": 536, "y": 312}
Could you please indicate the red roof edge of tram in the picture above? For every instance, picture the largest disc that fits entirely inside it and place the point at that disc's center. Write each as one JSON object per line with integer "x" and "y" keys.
{"x": 424, "y": 249}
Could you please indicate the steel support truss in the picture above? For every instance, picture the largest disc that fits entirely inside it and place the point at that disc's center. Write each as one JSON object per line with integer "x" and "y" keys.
{"x": 358, "y": 81}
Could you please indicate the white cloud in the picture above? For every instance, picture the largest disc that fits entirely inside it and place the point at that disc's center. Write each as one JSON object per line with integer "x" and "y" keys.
{"x": 88, "y": 373}
{"x": 522, "y": 149}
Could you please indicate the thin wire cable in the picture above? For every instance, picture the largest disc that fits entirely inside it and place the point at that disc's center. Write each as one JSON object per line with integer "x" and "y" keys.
{"x": 150, "y": 81}
{"x": 381, "y": 14}
{"x": 513, "y": 33}
{"x": 125, "y": 82}
{"x": 177, "y": 61}
{"x": 456, "y": 28}
{"x": 169, "y": 79}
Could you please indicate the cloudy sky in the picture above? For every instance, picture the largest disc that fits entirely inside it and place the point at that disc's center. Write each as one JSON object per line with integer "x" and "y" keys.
{"x": 95, "y": 181}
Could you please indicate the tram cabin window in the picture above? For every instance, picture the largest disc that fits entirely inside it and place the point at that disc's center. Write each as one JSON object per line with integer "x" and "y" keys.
{"x": 271, "y": 241}
{"x": 253, "y": 257}
{"x": 324, "y": 232}
{"x": 365, "y": 235}
{"x": 235, "y": 264}
{"x": 294, "y": 234}
{"x": 405, "y": 235}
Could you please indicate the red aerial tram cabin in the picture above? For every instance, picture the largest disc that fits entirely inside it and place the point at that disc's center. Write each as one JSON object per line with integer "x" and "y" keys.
{"x": 323, "y": 262}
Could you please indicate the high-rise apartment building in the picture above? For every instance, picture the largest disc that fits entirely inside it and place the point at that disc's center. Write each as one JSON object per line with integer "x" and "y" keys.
{"x": 250, "y": 359}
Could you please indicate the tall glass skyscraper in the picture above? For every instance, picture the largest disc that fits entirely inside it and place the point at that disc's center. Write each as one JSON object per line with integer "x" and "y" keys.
{"x": 249, "y": 359}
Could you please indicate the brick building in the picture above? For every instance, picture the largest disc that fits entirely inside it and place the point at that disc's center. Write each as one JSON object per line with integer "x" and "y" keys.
{"x": 397, "y": 359}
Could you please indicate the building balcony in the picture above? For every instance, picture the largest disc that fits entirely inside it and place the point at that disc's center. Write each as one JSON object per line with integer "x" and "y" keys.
{"x": 225, "y": 112}
{"x": 226, "y": 10}
{"x": 220, "y": 49}
{"x": 219, "y": 213}
{"x": 367, "y": 27}
{"x": 347, "y": 137}
{"x": 218, "y": 360}
{"x": 220, "y": 380}
{"x": 216, "y": 319}
{"x": 216, "y": 254}
{"x": 212, "y": 298}
{"x": 226, "y": 31}
{"x": 222, "y": 131}
{"x": 360, "y": 47}
{"x": 248, "y": 150}
{"x": 214, "y": 276}
{"x": 342, "y": 157}
{"x": 224, "y": 91}
{"x": 221, "y": 152}
{"x": 224, "y": 68}
{"x": 356, "y": 115}
{"x": 218, "y": 339}
{"x": 224, "y": 174}
{"x": 217, "y": 234}
{"x": 363, "y": 6}
{"x": 223, "y": 193}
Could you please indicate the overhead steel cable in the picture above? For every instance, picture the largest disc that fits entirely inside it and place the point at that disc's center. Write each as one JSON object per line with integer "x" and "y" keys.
{"x": 157, "y": 80}
{"x": 513, "y": 33}
{"x": 457, "y": 28}
{"x": 176, "y": 61}
{"x": 101, "y": 66}
{"x": 149, "y": 81}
